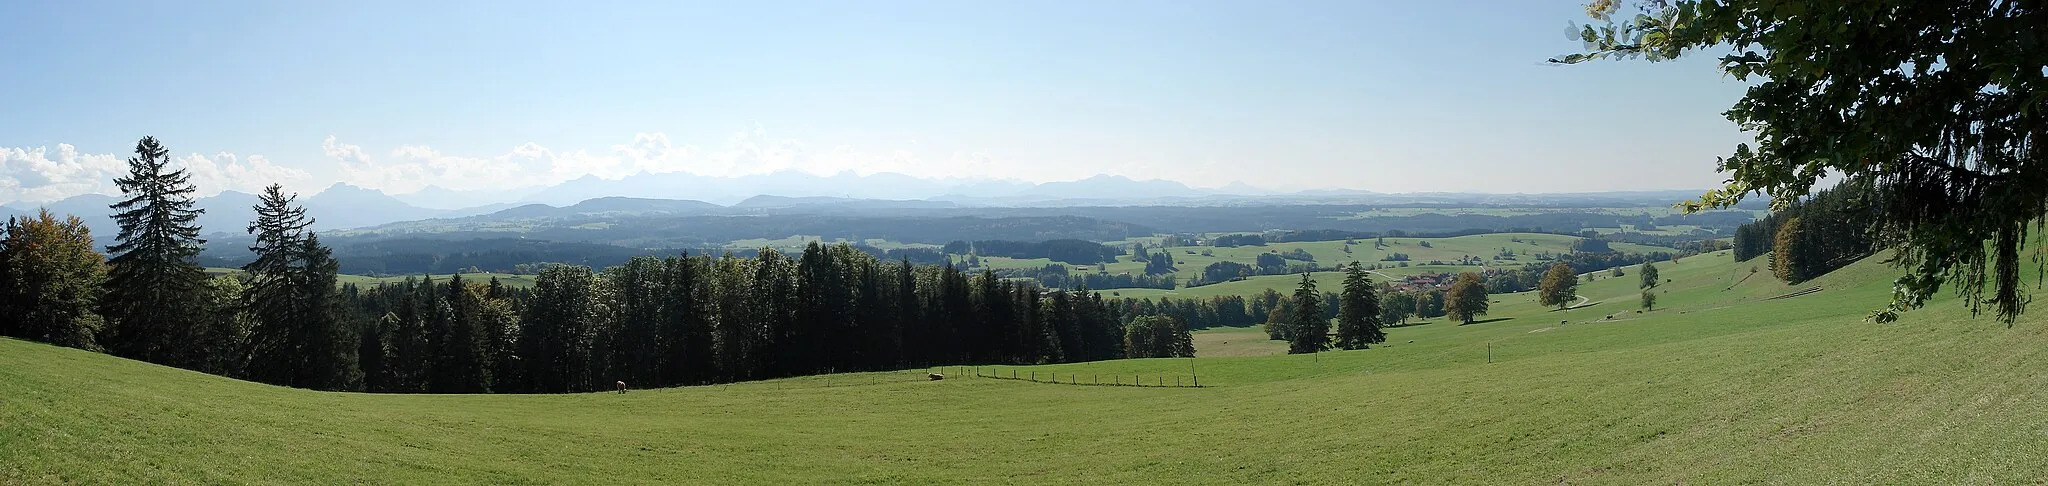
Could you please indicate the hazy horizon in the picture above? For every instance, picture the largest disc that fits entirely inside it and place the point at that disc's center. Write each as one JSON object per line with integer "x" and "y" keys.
{"x": 397, "y": 97}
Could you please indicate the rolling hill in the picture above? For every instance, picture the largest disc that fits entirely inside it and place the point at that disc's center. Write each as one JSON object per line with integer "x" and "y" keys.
{"x": 1719, "y": 385}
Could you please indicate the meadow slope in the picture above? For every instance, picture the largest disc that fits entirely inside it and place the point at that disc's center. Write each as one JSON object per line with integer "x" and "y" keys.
{"x": 1719, "y": 385}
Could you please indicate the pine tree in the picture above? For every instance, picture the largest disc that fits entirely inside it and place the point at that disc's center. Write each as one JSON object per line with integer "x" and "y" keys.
{"x": 1559, "y": 287}
{"x": 685, "y": 334}
{"x": 1358, "y": 314}
{"x": 330, "y": 347}
{"x": 152, "y": 315}
{"x": 298, "y": 338}
{"x": 460, "y": 365}
{"x": 280, "y": 335}
{"x": 1309, "y": 330}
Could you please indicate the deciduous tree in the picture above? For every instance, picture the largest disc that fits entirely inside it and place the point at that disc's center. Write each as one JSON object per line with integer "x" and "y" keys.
{"x": 1559, "y": 287}
{"x": 1466, "y": 300}
{"x": 1941, "y": 104}
{"x": 50, "y": 281}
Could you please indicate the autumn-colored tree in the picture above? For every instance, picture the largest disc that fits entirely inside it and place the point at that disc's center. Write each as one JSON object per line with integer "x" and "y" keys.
{"x": 1786, "y": 252}
{"x": 1466, "y": 300}
{"x": 50, "y": 281}
{"x": 1559, "y": 286}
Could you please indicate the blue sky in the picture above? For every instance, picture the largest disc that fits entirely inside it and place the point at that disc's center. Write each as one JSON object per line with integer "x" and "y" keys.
{"x": 1385, "y": 96}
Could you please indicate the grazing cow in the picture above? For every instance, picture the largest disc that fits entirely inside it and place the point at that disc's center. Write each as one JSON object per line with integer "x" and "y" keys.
{"x": 622, "y": 386}
{"x": 937, "y": 377}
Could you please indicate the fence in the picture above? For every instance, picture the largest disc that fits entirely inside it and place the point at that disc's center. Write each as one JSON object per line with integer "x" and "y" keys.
{"x": 1090, "y": 379}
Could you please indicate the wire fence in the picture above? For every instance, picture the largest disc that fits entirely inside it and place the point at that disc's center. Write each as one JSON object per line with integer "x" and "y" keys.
{"x": 1166, "y": 380}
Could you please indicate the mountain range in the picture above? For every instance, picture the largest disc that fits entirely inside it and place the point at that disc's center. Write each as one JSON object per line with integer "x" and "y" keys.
{"x": 343, "y": 206}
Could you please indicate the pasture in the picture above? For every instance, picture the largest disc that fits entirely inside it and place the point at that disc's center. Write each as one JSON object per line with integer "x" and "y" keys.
{"x": 1190, "y": 260}
{"x": 1717, "y": 386}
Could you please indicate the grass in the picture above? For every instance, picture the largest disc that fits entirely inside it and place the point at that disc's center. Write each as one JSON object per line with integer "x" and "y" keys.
{"x": 1717, "y": 386}
{"x": 1189, "y": 260}
{"x": 507, "y": 279}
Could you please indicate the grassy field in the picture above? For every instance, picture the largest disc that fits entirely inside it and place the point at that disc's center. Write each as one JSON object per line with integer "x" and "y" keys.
{"x": 1717, "y": 386}
{"x": 506, "y": 279}
{"x": 1190, "y": 261}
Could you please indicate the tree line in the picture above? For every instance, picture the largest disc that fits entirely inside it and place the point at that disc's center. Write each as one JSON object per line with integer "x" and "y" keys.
{"x": 1070, "y": 251}
{"x": 1811, "y": 237}
{"x": 650, "y": 321}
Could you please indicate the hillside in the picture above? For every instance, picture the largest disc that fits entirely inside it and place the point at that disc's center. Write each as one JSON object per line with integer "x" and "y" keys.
{"x": 1717, "y": 386}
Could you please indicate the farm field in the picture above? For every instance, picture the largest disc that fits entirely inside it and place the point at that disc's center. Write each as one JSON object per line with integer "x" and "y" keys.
{"x": 507, "y": 279}
{"x": 1719, "y": 385}
{"x": 1190, "y": 261}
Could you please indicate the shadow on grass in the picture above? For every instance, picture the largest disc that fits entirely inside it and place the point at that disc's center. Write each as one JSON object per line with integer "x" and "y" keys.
{"x": 1484, "y": 321}
{"x": 1409, "y": 324}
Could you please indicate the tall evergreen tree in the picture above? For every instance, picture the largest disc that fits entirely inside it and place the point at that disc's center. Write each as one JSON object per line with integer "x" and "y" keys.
{"x": 298, "y": 338}
{"x": 685, "y": 335}
{"x": 1358, "y": 314}
{"x": 280, "y": 336}
{"x": 330, "y": 346}
{"x": 1310, "y": 331}
{"x": 154, "y": 271}
{"x": 460, "y": 365}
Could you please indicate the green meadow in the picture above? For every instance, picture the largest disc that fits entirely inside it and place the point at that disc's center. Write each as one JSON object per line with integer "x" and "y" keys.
{"x": 1719, "y": 385}
{"x": 1190, "y": 260}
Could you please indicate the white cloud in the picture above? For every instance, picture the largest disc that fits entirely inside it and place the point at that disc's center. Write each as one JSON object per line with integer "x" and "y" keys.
{"x": 409, "y": 168}
{"x": 227, "y": 172}
{"x": 38, "y": 174}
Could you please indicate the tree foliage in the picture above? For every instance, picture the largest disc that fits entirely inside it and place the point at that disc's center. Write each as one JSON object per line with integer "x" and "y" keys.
{"x": 1786, "y": 253}
{"x": 50, "y": 280}
{"x": 153, "y": 273}
{"x": 1359, "y": 323}
{"x": 1560, "y": 286}
{"x": 1649, "y": 276}
{"x": 1158, "y": 336}
{"x": 1466, "y": 300}
{"x": 1308, "y": 330}
{"x": 1943, "y": 106}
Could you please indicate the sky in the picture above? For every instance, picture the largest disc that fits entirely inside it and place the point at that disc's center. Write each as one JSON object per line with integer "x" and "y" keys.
{"x": 1377, "y": 95}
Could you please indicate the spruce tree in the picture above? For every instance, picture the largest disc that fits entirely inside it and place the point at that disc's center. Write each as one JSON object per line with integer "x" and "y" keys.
{"x": 298, "y": 338}
{"x": 279, "y": 337}
{"x": 1358, "y": 313}
{"x": 330, "y": 346}
{"x": 1308, "y": 331}
{"x": 153, "y": 273}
